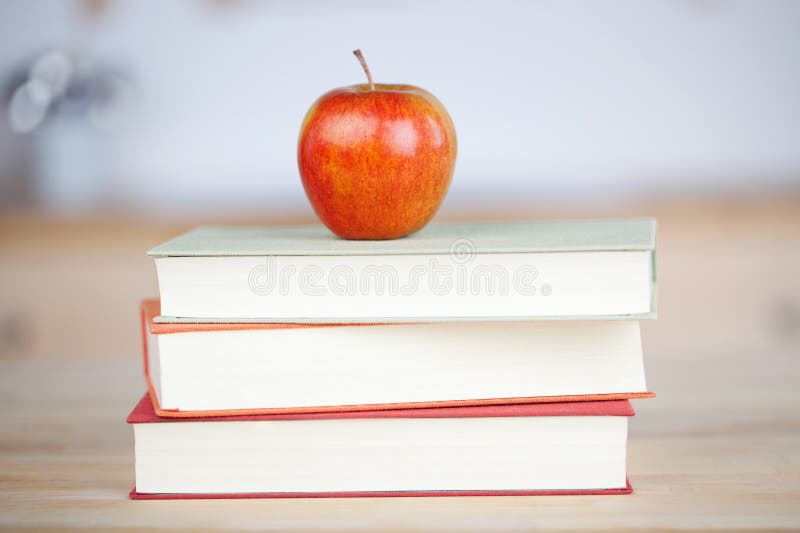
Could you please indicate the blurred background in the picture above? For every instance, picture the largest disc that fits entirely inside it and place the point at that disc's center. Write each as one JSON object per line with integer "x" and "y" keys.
{"x": 123, "y": 123}
{"x": 194, "y": 106}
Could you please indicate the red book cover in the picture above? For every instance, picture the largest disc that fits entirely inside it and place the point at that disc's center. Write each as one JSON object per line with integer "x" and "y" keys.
{"x": 152, "y": 308}
{"x": 144, "y": 413}
{"x": 384, "y": 494}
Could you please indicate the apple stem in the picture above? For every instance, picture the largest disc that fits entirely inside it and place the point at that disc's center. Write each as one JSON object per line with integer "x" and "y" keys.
{"x": 361, "y": 60}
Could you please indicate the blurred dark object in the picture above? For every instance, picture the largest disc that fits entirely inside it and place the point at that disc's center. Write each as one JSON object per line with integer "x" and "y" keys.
{"x": 787, "y": 319}
{"x": 64, "y": 107}
{"x": 14, "y": 333}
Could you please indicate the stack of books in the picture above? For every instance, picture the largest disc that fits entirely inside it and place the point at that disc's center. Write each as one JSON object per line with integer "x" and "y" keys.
{"x": 466, "y": 359}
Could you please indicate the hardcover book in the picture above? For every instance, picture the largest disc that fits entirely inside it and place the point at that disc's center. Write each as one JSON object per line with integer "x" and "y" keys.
{"x": 524, "y": 449}
{"x": 227, "y": 369}
{"x": 446, "y": 272}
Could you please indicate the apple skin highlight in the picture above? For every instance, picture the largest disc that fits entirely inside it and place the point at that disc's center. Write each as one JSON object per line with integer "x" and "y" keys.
{"x": 376, "y": 160}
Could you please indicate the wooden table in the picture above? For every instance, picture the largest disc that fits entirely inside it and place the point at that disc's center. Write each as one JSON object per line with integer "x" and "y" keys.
{"x": 718, "y": 448}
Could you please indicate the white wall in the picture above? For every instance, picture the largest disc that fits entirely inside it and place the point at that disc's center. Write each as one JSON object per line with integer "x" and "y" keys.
{"x": 550, "y": 99}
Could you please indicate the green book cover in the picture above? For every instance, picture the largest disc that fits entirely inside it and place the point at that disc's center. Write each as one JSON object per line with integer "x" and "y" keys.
{"x": 490, "y": 237}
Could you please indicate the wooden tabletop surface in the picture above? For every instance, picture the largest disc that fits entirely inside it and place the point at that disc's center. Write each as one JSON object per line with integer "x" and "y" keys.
{"x": 718, "y": 448}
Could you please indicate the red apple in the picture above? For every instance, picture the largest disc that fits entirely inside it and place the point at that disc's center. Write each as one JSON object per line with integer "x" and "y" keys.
{"x": 376, "y": 159}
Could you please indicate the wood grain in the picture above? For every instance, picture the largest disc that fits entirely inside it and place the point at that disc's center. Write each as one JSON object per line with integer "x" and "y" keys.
{"x": 718, "y": 448}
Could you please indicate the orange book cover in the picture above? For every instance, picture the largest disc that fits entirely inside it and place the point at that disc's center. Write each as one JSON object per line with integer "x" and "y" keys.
{"x": 151, "y": 308}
